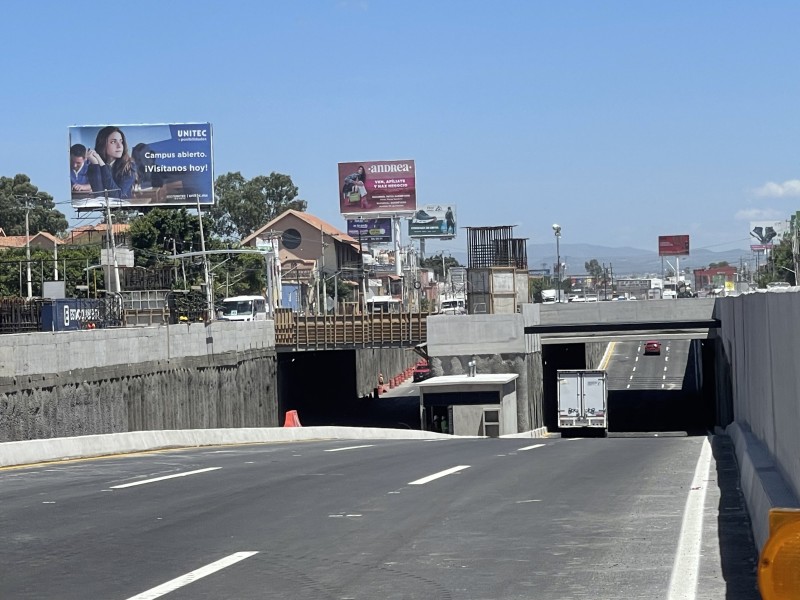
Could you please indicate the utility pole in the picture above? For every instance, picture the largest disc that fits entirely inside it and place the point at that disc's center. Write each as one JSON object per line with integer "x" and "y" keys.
{"x": 26, "y": 199}
{"x": 324, "y": 283}
{"x": 206, "y": 274}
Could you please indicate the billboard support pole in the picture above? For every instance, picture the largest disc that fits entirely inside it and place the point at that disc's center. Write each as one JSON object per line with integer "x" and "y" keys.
{"x": 112, "y": 243}
{"x": 206, "y": 274}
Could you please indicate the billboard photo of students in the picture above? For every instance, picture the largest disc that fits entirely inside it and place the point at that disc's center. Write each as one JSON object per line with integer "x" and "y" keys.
{"x": 134, "y": 165}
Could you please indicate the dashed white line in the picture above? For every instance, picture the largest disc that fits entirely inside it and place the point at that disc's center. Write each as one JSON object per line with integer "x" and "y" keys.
{"x": 531, "y": 447}
{"x": 154, "y": 479}
{"x": 349, "y": 448}
{"x": 179, "y": 582}
{"x": 444, "y": 473}
{"x": 665, "y": 368}
{"x": 683, "y": 582}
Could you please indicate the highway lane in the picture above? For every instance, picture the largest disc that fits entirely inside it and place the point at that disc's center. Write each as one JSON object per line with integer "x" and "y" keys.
{"x": 454, "y": 519}
{"x": 629, "y": 367}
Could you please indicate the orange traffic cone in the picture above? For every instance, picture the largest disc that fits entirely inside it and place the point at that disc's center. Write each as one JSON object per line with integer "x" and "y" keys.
{"x": 292, "y": 420}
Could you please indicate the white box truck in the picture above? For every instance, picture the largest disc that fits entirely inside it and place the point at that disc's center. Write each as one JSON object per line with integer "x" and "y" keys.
{"x": 582, "y": 398}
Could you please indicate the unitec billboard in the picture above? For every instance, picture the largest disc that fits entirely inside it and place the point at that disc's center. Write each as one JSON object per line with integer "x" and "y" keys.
{"x": 136, "y": 165}
{"x": 377, "y": 187}
{"x": 673, "y": 245}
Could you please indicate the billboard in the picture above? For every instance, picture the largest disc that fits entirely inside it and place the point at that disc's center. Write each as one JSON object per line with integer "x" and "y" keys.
{"x": 377, "y": 187}
{"x": 433, "y": 221}
{"x": 673, "y": 245}
{"x": 141, "y": 165}
{"x": 766, "y": 234}
{"x": 370, "y": 231}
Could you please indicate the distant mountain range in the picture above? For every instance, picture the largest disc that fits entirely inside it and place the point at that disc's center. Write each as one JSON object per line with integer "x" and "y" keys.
{"x": 625, "y": 261}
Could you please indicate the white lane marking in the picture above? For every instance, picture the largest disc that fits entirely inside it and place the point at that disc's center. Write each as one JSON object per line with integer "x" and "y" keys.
{"x": 531, "y": 447}
{"x": 154, "y": 479}
{"x": 526, "y": 501}
{"x": 179, "y": 582}
{"x": 663, "y": 377}
{"x": 349, "y": 448}
{"x": 666, "y": 359}
{"x": 637, "y": 359}
{"x": 683, "y": 582}
{"x": 663, "y": 385}
{"x": 444, "y": 473}
{"x": 628, "y": 386}
{"x": 665, "y": 368}
{"x": 634, "y": 369}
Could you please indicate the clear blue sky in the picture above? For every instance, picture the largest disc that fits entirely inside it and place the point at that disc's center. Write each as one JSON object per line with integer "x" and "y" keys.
{"x": 621, "y": 121}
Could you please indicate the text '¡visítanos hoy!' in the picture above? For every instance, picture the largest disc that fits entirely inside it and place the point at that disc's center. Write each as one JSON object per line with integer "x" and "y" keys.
{"x": 174, "y": 155}
{"x": 175, "y": 168}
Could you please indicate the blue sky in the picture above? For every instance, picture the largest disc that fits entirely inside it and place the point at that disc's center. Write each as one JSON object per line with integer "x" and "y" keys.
{"x": 619, "y": 120}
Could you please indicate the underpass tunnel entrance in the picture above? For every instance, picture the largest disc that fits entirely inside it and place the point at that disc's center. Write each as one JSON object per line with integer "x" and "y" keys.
{"x": 319, "y": 385}
{"x": 671, "y": 390}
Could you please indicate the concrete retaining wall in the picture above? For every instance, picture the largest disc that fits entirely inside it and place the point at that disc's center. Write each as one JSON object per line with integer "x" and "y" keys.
{"x": 221, "y": 375}
{"x": 371, "y": 362}
{"x": 758, "y": 377}
{"x": 497, "y": 344}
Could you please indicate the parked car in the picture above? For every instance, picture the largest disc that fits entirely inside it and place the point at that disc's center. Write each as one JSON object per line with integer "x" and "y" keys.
{"x": 652, "y": 347}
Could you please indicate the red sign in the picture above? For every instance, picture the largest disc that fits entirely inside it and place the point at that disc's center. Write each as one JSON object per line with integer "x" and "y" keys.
{"x": 673, "y": 245}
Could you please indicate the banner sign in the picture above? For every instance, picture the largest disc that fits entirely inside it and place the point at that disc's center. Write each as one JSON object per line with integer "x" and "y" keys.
{"x": 375, "y": 231}
{"x": 433, "y": 221}
{"x": 377, "y": 187}
{"x": 766, "y": 234}
{"x": 633, "y": 285}
{"x": 673, "y": 245}
{"x": 141, "y": 165}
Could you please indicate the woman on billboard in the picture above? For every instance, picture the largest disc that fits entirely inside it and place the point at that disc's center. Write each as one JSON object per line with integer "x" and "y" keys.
{"x": 110, "y": 164}
{"x": 354, "y": 190}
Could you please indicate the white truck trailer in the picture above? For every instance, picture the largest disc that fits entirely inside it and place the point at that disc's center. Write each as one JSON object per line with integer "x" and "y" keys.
{"x": 582, "y": 396}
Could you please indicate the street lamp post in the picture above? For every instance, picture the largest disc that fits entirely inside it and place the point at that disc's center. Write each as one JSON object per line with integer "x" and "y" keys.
{"x": 557, "y": 232}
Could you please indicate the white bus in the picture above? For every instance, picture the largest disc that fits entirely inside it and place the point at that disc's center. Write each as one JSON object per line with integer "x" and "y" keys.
{"x": 244, "y": 308}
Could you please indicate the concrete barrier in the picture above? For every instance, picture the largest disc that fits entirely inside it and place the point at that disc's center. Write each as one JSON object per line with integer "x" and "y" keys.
{"x": 54, "y": 449}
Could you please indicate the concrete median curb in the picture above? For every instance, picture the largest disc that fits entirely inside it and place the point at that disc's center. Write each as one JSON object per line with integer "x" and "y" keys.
{"x": 38, "y": 451}
{"x": 762, "y": 484}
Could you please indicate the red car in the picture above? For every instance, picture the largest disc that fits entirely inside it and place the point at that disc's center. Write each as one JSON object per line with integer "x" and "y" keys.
{"x": 652, "y": 347}
{"x": 421, "y": 372}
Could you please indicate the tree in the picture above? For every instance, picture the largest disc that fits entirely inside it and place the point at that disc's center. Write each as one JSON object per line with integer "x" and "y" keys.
{"x": 15, "y": 192}
{"x": 434, "y": 263}
{"x": 535, "y": 287}
{"x": 779, "y": 266}
{"x": 723, "y": 263}
{"x": 595, "y": 269}
{"x": 245, "y": 205}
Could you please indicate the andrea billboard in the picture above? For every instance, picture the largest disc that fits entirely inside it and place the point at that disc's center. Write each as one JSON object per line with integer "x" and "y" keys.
{"x": 433, "y": 221}
{"x": 141, "y": 165}
{"x": 766, "y": 234}
{"x": 673, "y": 245}
{"x": 374, "y": 231}
{"x": 377, "y": 187}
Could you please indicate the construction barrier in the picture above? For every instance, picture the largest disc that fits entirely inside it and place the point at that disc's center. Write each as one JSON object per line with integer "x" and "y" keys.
{"x": 292, "y": 419}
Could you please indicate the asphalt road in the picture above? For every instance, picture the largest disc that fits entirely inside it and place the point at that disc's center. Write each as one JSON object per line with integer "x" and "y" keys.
{"x": 455, "y": 519}
{"x": 630, "y": 368}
